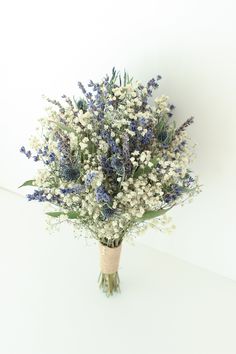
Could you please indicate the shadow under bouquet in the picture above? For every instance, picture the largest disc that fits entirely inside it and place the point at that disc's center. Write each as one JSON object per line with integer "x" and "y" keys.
{"x": 111, "y": 163}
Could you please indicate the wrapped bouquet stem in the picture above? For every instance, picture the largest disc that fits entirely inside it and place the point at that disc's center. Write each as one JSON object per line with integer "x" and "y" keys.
{"x": 109, "y": 263}
{"x": 110, "y": 163}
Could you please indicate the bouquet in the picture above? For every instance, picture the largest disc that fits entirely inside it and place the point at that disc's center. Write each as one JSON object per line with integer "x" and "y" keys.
{"x": 111, "y": 163}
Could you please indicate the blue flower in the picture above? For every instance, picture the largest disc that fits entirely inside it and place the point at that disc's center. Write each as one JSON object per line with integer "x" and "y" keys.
{"x": 107, "y": 212}
{"x": 147, "y": 137}
{"x": 89, "y": 178}
{"x": 69, "y": 173}
{"x": 100, "y": 116}
{"x": 133, "y": 126}
{"x": 162, "y": 136}
{"x": 102, "y": 195}
{"x": 117, "y": 165}
{"x": 82, "y": 105}
{"x": 142, "y": 121}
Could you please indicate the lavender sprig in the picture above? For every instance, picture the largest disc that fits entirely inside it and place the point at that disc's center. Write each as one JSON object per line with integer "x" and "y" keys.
{"x": 188, "y": 122}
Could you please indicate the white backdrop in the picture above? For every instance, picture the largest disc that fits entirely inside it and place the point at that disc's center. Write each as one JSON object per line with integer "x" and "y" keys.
{"x": 46, "y": 47}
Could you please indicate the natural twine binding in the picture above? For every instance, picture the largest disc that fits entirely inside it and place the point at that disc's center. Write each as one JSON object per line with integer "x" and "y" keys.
{"x": 109, "y": 259}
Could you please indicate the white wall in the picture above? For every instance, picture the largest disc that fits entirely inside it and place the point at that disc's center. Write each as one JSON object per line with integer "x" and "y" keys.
{"x": 46, "y": 47}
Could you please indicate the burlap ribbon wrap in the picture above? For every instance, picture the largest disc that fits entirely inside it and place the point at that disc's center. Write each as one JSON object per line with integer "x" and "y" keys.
{"x": 109, "y": 259}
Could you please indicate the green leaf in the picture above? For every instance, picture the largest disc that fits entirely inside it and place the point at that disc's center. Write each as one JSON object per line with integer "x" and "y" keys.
{"x": 91, "y": 147}
{"x": 145, "y": 170}
{"x": 141, "y": 171}
{"x": 27, "y": 183}
{"x": 70, "y": 214}
{"x": 151, "y": 214}
{"x": 55, "y": 214}
{"x": 73, "y": 215}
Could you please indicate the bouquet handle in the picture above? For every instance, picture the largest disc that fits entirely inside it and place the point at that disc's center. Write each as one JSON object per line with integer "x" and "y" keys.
{"x": 109, "y": 280}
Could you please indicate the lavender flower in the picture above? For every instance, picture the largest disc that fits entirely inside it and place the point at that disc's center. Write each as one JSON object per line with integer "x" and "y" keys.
{"x": 106, "y": 135}
{"x": 77, "y": 189}
{"x": 152, "y": 85}
{"x": 81, "y": 86}
{"x": 106, "y": 165}
{"x": 188, "y": 122}
{"x": 37, "y": 195}
{"x": 173, "y": 193}
{"x": 26, "y": 153}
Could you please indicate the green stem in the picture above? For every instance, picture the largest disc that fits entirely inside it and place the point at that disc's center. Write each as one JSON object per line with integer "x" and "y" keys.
{"x": 109, "y": 283}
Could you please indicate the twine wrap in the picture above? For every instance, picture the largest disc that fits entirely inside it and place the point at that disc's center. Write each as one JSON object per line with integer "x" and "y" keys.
{"x": 109, "y": 259}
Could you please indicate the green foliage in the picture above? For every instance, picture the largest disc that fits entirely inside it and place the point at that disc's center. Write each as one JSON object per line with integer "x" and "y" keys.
{"x": 151, "y": 214}
{"x": 92, "y": 147}
{"x": 142, "y": 171}
{"x": 70, "y": 214}
{"x": 30, "y": 182}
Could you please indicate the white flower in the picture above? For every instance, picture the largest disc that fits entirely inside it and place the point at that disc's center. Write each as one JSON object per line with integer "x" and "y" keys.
{"x": 83, "y": 145}
{"x": 142, "y": 157}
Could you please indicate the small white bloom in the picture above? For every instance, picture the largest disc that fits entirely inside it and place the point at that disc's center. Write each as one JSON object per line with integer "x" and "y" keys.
{"x": 142, "y": 157}
{"x": 83, "y": 146}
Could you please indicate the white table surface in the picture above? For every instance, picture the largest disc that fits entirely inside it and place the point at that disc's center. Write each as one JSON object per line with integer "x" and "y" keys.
{"x": 50, "y": 302}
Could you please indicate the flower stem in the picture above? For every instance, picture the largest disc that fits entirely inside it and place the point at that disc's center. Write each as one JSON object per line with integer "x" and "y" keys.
{"x": 109, "y": 283}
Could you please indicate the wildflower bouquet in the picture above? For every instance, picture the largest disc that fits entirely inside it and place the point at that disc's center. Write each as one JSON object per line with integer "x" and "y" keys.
{"x": 111, "y": 163}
